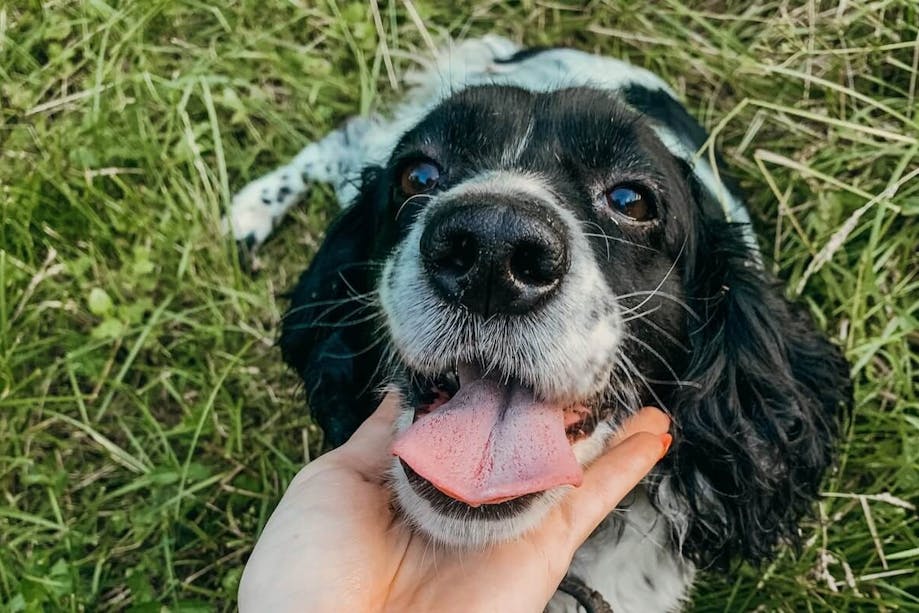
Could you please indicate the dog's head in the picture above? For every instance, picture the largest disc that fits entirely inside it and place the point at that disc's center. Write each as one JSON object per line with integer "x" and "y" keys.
{"x": 531, "y": 268}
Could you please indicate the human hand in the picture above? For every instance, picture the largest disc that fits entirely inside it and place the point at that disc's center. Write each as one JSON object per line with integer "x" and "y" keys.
{"x": 334, "y": 542}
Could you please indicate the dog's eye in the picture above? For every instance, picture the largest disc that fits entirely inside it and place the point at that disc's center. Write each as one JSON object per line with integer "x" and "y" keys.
{"x": 633, "y": 202}
{"x": 419, "y": 177}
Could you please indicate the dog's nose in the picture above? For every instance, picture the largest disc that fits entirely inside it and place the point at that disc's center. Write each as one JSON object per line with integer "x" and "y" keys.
{"x": 495, "y": 258}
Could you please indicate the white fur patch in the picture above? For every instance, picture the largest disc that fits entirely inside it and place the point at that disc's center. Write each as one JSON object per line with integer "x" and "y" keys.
{"x": 635, "y": 571}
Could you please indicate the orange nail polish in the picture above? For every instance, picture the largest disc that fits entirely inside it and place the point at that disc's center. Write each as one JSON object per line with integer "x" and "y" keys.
{"x": 666, "y": 440}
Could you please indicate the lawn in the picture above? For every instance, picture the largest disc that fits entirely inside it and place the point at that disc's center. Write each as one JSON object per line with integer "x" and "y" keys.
{"x": 147, "y": 425}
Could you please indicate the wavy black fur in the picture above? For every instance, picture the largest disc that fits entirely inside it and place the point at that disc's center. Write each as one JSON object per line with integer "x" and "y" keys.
{"x": 327, "y": 333}
{"x": 756, "y": 436}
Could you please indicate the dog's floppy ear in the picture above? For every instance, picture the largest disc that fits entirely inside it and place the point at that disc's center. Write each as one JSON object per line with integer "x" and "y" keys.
{"x": 756, "y": 435}
{"x": 326, "y": 334}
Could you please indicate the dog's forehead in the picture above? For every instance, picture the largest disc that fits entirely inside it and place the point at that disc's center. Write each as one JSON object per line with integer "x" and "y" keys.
{"x": 500, "y": 125}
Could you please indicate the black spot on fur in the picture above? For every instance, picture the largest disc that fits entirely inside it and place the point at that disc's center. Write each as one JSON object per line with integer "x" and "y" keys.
{"x": 660, "y": 106}
{"x": 245, "y": 251}
{"x": 523, "y": 54}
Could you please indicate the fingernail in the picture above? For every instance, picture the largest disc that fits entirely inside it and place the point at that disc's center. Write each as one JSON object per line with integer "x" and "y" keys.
{"x": 666, "y": 440}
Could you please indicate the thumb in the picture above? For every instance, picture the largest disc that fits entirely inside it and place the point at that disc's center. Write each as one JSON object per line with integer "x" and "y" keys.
{"x": 369, "y": 449}
{"x": 608, "y": 480}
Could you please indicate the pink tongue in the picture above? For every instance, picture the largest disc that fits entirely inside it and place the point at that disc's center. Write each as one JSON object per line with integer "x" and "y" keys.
{"x": 489, "y": 444}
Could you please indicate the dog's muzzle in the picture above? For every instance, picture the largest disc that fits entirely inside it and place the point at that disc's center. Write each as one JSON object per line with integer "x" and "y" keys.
{"x": 480, "y": 436}
{"x": 501, "y": 256}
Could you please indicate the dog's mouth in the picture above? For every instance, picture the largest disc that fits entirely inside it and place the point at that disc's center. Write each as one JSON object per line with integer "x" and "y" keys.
{"x": 485, "y": 440}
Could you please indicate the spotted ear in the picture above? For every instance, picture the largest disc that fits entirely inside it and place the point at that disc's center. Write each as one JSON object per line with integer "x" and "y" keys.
{"x": 326, "y": 333}
{"x": 755, "y": 431}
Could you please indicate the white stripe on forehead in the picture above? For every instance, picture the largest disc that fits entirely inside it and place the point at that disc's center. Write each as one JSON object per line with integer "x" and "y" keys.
{"x": 505, "y": 182}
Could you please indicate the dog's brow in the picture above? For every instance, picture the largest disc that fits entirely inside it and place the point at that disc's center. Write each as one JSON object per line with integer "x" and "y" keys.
{"x": 506, "y": 182}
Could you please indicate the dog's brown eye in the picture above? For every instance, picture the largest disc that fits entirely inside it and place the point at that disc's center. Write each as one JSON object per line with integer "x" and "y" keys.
{"x": 419, "y": 177}
{"x": 633, "y": 202}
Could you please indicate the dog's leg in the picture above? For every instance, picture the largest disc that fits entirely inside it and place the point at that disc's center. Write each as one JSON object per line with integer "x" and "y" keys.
{"x": 337, "y": 159}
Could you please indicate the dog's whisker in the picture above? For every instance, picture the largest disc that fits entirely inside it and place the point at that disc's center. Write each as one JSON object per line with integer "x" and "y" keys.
{"x": 619, "y": 390}
{"x": 602, "y": 235}
{"x": 678, "y": 382}
{"x": 410, "y": 199}
{"x": 644, "y": 320}
{"x": 659, "y": 294}
{"x": 666, "y": 276}
{"x": 351, "y": 289}
{"x": 344, "y": 323}
{"x": 319, "y": 318}
{"x": 653, "y": 352}
{"x": 640, "y": 315}
{"x": 608, "y": 238}
{"x": 630, "y": 366}
{"x": 370, "y": 299}
{"x": 329, "y": 303}
{"x": 357, "y": 353}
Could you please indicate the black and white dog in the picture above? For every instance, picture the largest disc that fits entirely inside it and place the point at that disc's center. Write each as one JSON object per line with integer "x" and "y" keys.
{"x": 531, "y": 250}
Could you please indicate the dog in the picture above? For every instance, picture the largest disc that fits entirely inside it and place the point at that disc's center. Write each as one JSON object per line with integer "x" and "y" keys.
{"x": 531, "y": 249}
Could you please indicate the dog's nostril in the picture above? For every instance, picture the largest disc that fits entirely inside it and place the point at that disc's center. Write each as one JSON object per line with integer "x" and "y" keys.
{"x": 535, "y": 264}
{"x": 459, "y": 254}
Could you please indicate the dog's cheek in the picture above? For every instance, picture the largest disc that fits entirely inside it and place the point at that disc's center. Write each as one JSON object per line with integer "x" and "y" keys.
{"x": 393, "y": 295}
{"x": 400, "y": 289}
{"x": 592, "y": 447}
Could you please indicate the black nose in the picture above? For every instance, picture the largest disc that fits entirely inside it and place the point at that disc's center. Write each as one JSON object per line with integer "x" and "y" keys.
{"x": 495, "y": 258}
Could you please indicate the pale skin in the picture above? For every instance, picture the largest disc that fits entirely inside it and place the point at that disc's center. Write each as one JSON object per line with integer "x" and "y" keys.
{"x": 334, "y": 542}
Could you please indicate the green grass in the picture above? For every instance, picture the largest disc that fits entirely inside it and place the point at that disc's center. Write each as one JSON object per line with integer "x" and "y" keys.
{"x": 147, "y": 426}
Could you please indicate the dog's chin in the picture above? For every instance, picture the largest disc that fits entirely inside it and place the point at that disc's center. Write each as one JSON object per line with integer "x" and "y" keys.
{"x": 452, "y": 523}
{"x": 449, "y": 521}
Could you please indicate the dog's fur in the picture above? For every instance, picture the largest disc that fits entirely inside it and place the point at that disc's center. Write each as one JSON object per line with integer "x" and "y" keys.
{"x": 677, "y": 312}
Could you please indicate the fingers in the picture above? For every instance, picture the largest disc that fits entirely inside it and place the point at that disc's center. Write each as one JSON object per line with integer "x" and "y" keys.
{"x": 615, "y": 474}
{"x": 648, "y": 419}
{"x": 370, "y": 448}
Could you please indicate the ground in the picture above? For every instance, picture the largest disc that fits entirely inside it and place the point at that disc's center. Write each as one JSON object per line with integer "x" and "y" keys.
{"x": 147, "y": 425}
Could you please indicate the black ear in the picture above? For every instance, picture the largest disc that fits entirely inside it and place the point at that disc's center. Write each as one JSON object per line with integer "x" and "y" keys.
{"x": 754, "y": 439}
{"x": 326, "y": 334}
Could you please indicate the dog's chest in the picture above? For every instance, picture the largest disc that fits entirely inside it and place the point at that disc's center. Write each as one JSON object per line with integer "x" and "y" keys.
{"x": 628, "y": 560}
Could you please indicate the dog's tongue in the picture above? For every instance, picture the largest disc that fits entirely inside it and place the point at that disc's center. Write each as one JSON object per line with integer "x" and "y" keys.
{"x": 489, "y": 444}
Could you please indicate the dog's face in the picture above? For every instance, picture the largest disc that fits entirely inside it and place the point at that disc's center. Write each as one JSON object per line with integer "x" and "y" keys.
{"x": 536, "y": 249}
{"x": 542, "y": 265}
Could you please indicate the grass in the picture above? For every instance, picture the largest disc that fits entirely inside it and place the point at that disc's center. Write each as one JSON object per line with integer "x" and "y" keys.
{"x": 147, "y": 426}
